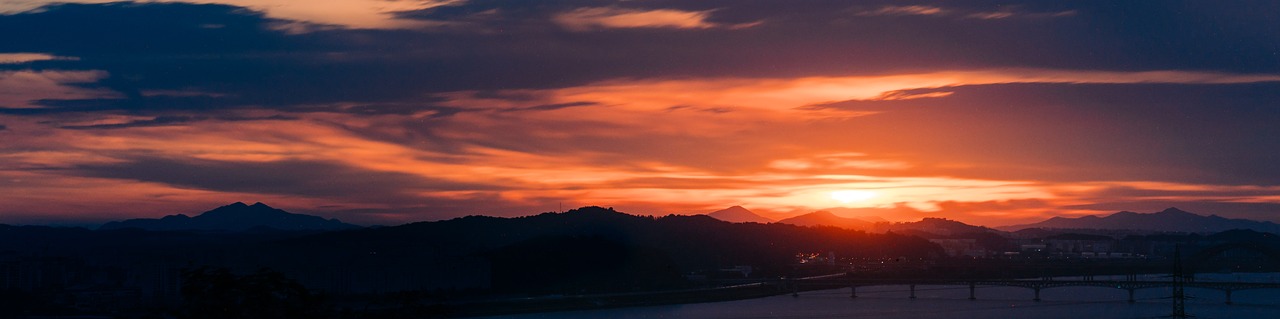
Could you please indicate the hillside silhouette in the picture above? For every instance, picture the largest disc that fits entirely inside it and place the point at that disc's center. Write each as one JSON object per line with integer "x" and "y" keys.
{"x": 680, "y": 243}
{"x": 234, "y": 217}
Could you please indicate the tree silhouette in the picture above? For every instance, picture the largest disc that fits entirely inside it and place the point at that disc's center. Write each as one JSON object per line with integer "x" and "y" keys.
{"x": 218, "y": 293}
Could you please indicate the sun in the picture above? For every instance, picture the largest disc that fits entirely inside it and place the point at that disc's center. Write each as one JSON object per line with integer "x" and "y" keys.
{"x": 849, "y": 196}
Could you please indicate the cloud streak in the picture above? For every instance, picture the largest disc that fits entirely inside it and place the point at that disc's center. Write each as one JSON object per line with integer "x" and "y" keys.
{"x": 173, "y": 120}
{"x": 361, "y": 14}
{"x": 25, "y": 88}
{"x": 904, "y": 10}
{"x": 20, "y": 58}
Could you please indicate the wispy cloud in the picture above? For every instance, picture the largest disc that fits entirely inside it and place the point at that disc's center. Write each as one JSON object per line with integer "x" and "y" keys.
{"x": 994, "y": 15}
{"x": 360, "y": 14}
{"x": 826, "y": 162}
{"x": 174, "y": 120}
{"x": 584, "y": 19}
{"x": 23, "y": 88}
{"x": 790, "y": 97}
{"x": 904, "y": 10}
{"x": 991, "y": 15}
{"x": 924, "y": 10}
{"x": 22, "y": 57}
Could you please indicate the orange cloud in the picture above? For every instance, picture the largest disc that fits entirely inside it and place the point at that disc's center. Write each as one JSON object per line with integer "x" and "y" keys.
{"x": 756, "y": 98}
{"x": 584, "y": 19}
{"x": 23, "y": 57}
{"x": 904, "y": 10}
{"x": 359, "y": 14}
{"x": 683, "y": 144}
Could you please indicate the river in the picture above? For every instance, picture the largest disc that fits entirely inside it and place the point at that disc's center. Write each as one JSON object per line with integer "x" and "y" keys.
{"x": 952, "y": 302}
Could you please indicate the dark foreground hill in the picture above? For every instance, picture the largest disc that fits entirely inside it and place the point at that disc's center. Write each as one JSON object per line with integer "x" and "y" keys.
{"x": 585, "y": 250}
{"x": 234, "y": 217}
{"x": 525, "y": 253}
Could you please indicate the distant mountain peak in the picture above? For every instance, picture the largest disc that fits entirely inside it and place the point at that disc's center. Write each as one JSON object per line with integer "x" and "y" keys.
{"x": 739, "y": 214}
{"x": 236, "y": 216}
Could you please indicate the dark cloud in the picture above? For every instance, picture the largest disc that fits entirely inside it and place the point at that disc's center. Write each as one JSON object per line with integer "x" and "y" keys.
{"x": 392, "y": 109}
{"x": 289, "y": 177}
{"x": 176, "y": 120}
{"x": 3, "y": 127}
{"x": 550, "y": 107}
{"x": 123, "y": 28}
{"x": 148, "y": 46}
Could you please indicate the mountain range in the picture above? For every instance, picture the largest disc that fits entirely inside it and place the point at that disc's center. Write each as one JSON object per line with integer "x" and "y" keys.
{"x": 931, "y": 227}
{"x": 236, "y": 217}
{"x": 1168, "y": 220}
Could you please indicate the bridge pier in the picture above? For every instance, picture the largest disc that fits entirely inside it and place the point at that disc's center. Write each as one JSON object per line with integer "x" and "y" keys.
{"x": 971, "y": 296}
{"x": 1228, "y": 296}
{"x": 1131, "y": 300}
{"x": 1037, "y": 299}
{"x": 913, "y": 292}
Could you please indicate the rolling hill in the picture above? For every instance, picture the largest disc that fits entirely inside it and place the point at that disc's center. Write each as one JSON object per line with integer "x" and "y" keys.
{"x": 235, "y": 217}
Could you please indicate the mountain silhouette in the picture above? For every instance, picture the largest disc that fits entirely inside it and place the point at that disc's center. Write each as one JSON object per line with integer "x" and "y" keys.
{"x": 935, "y": 226}
{"x": 1168, "y": 220}
{"x": 825, "y": 218}
{"x": 737, "y": 214}
{"x": 532, "y": 253}
{"x": 236, "y": 217}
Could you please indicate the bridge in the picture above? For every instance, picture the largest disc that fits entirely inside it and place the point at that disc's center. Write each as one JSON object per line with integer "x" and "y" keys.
{"x": 842, "y": 281}
{"x": 1181, "y": 279}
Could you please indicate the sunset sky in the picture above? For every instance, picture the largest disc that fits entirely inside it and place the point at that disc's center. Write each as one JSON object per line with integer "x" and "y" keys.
{"x": 392, "y": 111}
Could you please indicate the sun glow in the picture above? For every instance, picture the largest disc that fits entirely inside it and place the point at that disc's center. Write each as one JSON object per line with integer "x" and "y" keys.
{"x": 849, "y": 196}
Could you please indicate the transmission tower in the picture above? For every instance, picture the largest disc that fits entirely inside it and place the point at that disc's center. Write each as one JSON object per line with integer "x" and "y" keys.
{"x": 1179, "y": 298}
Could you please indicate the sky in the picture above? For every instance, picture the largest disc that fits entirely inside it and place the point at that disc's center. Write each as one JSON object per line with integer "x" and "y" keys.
{"x": 394, "y": 111}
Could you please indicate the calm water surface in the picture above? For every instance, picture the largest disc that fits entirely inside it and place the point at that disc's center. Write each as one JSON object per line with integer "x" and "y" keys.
{"x": 952, "y": 302}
